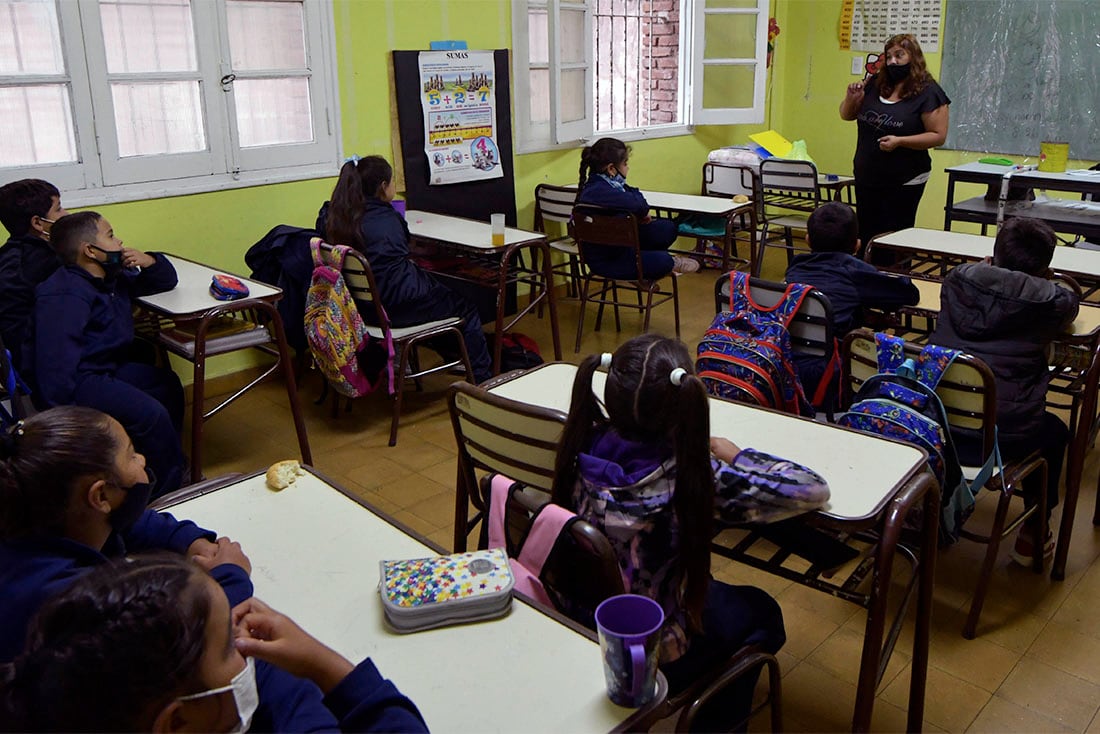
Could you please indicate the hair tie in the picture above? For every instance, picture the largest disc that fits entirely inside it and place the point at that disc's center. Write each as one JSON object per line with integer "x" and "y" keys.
{"x": 677, "y": 376}
{"x": 352, "y": 159}
{"x": 605, "y": 360}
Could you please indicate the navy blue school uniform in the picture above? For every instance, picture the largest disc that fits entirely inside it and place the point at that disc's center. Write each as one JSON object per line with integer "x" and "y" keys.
{"x": 411, "y": 295}
{"x": 655, "y": 236}
{"x": 83, "y": 332}
{"x": 851, "y": 286}
{"x": 25, "y": 261}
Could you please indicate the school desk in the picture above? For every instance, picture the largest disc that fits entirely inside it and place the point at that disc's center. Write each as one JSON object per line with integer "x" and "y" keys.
{"x": 315, "y": 550}
{"x": 874, "y": 483}
{"x": 931, "y": 253}
{"x": 190, "y": 323}
{"x": 1074, "y": 384}
{"x": 1064, "y": 215}
{"x": 497, "y": 266}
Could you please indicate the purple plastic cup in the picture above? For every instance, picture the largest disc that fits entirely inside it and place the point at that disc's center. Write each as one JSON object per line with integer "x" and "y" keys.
{"x": 399, "y": 205}
{"x": 629, "y": 626}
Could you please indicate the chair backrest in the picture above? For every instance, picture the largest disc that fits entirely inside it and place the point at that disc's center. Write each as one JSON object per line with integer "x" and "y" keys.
{"x": 553, "y": 204}
{"x": 728, "y": 180}
{"x": 967, "y": 389}
{"x": 595, "y": 225}
{"x": 360, "y": 282}
{"x": 497, "y": 434}
{"x": 789, "y": 184}
{"x": 811, "y": 329}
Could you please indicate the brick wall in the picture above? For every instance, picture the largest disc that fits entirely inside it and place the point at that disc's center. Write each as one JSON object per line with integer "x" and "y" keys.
{"x": 661, "y": 35}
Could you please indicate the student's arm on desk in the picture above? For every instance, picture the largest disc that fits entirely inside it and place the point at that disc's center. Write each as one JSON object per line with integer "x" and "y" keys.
{"x": 358, "y": 695}
{"x": 59, "y": 323}
{"x": 884, "y": 291}
{"x": 157, "y": 278}
{"x": 752, "y": 486}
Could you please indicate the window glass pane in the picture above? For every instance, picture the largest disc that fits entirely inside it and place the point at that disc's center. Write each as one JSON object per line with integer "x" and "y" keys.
{"x": 571, "y": 36}
{"x": 730, "y": 37}
{"x": 148, "y": 35}
{"x": 158, "y": 117}
{"x": 728, "y": 86}
{"x": 29, "y": 40}
{"x": 36, "y": 125}
{"x": 732, "y": 3}
{"x": 572, "y": 95}
{"x": 540, "y": 95}
{"x": 538, "y": 36}
{"x": 273, "y": 111}
{"x": 266, "y": 35}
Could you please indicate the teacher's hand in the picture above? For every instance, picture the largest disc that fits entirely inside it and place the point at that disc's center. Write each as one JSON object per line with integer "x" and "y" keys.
{"x": 889, "y": 142}
{"x": 855, "y": 91}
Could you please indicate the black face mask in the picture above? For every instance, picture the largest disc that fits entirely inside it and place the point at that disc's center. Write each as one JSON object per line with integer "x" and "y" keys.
{"x": 897, "y": 72}
{"x": 112, "y": 265}
{"x": 126, "y": 515}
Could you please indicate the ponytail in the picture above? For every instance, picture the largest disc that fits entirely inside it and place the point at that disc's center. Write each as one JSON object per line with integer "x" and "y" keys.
{"x": 360, "y": 179}
{"x": 598, "y": 156}
{"x": 584, "y": 417}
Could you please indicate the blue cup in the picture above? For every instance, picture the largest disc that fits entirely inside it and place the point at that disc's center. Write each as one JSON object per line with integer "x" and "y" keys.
{"x": 629, "y": 627}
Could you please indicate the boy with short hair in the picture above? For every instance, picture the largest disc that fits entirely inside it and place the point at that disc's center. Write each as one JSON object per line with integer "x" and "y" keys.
{"x": 82, "y": 335}
{"x": 1006, "y": 312}
{"x": 850, "y": 284}
{"x": 28, "y": 208}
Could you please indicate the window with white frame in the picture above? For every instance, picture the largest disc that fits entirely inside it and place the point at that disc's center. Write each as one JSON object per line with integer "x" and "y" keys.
{"x": 157, "y": 97}
{"x": 635, "y": 68}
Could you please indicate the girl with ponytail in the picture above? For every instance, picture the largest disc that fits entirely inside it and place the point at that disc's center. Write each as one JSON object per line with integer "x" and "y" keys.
{"x": 639, "y": 466}
{"x": 360, "y": 215}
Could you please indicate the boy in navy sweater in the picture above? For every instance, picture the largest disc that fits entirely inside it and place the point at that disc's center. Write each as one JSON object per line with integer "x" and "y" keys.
{"x": 83, "y": 335}
{"x": 28, "y": 209}
{"x": 850, "y": 284}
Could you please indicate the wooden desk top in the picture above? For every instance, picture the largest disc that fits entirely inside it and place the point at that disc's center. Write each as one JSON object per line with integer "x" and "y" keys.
{"x": 315, "y": 555}
{"x": 863, "y": 471}
{"x": 464, "y": 232}
{"x": 1086, "y": 323}
{"x": 191, "y": 296}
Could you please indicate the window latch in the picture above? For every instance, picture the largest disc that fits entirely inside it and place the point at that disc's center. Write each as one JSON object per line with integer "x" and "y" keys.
{"x": 227, "y": 81}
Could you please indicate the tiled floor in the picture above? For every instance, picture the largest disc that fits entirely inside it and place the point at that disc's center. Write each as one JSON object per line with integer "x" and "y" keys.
{"x": 1034, "y": 667}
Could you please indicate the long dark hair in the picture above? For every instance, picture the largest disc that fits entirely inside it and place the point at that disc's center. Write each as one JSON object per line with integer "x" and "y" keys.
{"x": 111, "y": 650}
{"x": 359, "y": 180}
{"x": 919, "y": 76}
{"x": 644, "y": 405}
{"x": 41, "y": 460}
{"x": 598, "y": 156}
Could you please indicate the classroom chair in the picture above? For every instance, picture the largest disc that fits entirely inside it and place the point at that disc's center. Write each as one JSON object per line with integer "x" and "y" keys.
{"x": 617, "y": 228}
{"x": 555, "y": 204}
{"x": 496, "y": 434}
{"x": 724, "y": 181}
{"x": 406, "y": 340}
{"x": 791, "y": 187}
{"x": 969, "y": 394}
{"x": 582, "y": 571}
{"x": 811, "y": 329}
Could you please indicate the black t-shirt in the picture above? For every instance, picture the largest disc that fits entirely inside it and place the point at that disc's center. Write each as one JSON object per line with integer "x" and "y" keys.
{"x": 875, "y": 167}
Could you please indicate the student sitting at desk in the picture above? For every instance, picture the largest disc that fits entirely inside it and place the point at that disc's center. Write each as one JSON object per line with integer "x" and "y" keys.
{"x": 604, "y": 166}
{"x": 644, "y": 476}
{"x": 850, "y": 284}
{"x": 83, "y": 340}
{"x": 1006, "y": 312}
{"x": 151, "y": 644}
{"x": 28, "y": 209}
{"x": 361, "y": 215}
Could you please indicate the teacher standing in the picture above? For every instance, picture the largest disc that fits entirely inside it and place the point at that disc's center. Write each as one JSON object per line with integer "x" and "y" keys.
{"x": 900, "y": 113}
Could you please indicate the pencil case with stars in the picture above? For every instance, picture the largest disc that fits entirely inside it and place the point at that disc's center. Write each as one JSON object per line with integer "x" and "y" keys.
{"x": 424, "y": 593}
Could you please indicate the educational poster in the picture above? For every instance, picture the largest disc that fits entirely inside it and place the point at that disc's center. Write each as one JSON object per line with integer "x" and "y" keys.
{"x": 458, "y": 94}
{"x": 866, "y": 24}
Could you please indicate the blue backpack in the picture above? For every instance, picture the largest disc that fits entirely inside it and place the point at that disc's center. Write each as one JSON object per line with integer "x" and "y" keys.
{"x": 900, "y": 403}
{"x": 15, "y": 396}
{"x": 745, "y": 354}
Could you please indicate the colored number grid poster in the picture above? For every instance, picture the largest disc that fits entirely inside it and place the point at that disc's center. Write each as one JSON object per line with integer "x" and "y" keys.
{"x": 866, "y": 24}
{"x": 460, "y": 111}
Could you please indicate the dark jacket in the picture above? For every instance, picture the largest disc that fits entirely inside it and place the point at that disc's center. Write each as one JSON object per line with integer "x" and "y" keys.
{"x": 25, "y": 262}
{"x": 282, "y": 259}
{"x": 1007, "y": 319}
{"x": 34, "y": 569}
{"x": 599, "y": 191}
{"x": 84, "y": 325}
{"x": 851, "y": 285}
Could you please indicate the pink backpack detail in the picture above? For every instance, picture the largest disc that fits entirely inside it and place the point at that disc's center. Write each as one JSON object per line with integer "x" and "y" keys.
{"x": 537, "y": 546}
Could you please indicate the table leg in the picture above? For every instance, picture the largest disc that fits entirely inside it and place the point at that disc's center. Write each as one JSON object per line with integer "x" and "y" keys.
{"x": 1078, "y": 449}
{"x": 551, "y": 297}
{"x": 923, "y": 626}
{"x": 276, "y": 322}
{"x": 198, "y": 399}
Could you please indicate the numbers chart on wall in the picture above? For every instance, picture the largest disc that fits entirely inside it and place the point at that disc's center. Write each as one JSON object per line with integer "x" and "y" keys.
{"x": 459, "y": 102}
{"x": 866, "y": 24}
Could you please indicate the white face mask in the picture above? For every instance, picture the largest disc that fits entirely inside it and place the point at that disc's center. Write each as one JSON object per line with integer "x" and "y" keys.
{"x": 243, "y": 686}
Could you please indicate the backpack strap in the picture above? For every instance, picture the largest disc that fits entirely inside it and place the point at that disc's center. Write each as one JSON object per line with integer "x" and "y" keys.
{"x": 831, "y": 370}
{"x": 786, "y": 307}
{"x": 547, "y": 525}
{"x": 499, "y": 488}
{"x": 932, "y": 363}
{"x": 890, "y": 350}
{"x": 336, "y": 260}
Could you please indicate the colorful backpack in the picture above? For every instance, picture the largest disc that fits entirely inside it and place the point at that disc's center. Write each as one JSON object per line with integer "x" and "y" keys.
{"x": 900, "y": 402}
{"x": 745, "y": 355}
{"x": 334, "y": 328}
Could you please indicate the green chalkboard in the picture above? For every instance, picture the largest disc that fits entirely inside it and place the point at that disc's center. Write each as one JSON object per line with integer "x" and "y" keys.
{"x": 1023, "y": 71}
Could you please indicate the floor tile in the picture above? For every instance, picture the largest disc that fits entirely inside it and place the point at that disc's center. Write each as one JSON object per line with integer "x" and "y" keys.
{"x": 1067, "y": 699}
{"x": 949, "y": 703}
{"x": 1069, "y": 651}
{"x": 1000, "y": 715}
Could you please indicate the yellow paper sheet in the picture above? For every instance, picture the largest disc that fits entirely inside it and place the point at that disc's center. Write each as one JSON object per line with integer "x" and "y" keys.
{"x": 772, "y": 142}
